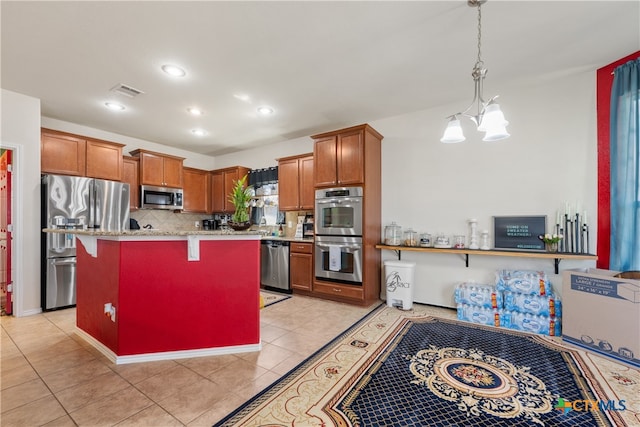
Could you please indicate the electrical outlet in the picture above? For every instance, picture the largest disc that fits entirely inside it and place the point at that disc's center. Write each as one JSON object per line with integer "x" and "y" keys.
{"x": 197, "y": 224}
{"x": 110, "y": 311}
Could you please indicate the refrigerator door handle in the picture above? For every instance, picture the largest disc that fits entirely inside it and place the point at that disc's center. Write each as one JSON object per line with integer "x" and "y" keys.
{"x": 92, "y": 205}
{"x": 63, "y": 261}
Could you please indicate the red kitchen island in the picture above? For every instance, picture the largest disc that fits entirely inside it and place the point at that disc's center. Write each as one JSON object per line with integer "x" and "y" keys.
{"x": 149, "y": 295}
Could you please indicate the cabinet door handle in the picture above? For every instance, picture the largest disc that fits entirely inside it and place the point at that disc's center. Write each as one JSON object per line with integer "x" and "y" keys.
{"x": 337, "y": 290}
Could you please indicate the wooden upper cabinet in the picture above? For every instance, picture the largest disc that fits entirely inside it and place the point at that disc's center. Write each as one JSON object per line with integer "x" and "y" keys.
{"x": 151, "y": 169}
{"x": 217, "y": 192}
{"x": 288, "y": 184}
{"x": 306, "y": 178}
{"x": 196, "y": 190}
{"x": 340, "y": 157}
{"x": 69, "y": 154}
{"x": 222, "y": 182}
{"x": 61, "y": 153}
{"x": 131, "y": 175}
{"x": 350, "y": 158}
{"x": 295, "y": 183}
{"x": 173, "y": 171}
{"x": 324, "y": 155}
{"x": 159, "y": 169}
{"x": 104, "y": 160}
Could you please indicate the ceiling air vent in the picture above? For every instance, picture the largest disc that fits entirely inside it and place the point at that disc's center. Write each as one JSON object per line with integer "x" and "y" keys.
{"x": 125, "y": 90}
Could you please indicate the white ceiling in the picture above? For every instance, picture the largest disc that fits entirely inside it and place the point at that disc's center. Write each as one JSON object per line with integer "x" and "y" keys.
{"x": 322, "y": 65}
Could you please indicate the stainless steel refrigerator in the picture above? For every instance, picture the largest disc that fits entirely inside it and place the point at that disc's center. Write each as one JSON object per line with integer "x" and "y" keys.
{"x": 70, "y": 202}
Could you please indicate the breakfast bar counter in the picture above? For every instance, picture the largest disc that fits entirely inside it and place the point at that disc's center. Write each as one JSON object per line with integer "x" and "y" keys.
{"x": 151, "y": 295}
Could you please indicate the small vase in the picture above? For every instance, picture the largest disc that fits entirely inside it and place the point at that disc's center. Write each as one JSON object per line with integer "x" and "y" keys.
{"x": 552, "y": 247}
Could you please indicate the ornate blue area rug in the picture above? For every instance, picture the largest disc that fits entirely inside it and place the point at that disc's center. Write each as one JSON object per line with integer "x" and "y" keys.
{"x": 397, "y": 368}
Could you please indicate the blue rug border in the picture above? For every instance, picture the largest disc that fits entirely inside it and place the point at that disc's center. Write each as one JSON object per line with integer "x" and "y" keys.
{"x": 340, "y": 336}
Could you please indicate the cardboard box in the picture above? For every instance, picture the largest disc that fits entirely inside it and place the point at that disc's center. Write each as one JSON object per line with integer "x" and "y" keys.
{"x": 601, "y": 313}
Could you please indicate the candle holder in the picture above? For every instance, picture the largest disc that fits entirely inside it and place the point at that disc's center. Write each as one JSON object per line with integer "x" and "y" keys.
{"x": 484, "y": 241}
{"x": 473, "y": 238}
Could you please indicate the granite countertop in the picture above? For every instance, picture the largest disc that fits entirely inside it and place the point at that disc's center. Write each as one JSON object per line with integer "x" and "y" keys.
{"x": 150, "y": 232}
{"x": 159, "y": 232}
{"x": 289, "y": 239}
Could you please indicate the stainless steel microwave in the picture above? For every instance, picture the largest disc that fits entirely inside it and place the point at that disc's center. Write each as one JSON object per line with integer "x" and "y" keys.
{"x": 160, "y": 197}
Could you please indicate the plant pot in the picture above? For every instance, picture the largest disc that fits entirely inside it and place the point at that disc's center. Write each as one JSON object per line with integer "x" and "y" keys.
{"x": 239, "y": 226}
{"x": 551, "y": 247}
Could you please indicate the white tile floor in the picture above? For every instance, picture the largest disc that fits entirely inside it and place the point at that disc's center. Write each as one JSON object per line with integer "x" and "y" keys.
{"x": 52, "y": 377}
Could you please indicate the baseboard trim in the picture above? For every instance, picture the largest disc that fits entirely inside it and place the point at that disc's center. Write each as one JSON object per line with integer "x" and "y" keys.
{"x": 165, "y": 355}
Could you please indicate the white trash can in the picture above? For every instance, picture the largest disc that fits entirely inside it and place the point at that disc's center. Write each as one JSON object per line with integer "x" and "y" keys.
{"x": 399, "y": 283}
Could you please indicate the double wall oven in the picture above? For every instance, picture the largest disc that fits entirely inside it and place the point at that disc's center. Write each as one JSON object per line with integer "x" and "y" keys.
{"x": 338, "y": 235}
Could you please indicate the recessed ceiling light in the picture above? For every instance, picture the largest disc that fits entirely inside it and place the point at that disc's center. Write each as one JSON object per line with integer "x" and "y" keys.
{"x": 199, "y": 132}
{"x": 195, "y": 111}
{"x": 242, "y": 97}
{"x": 174, "y": 70}
{"x": 114, "y": 106}
{"x": 265, "y": 110}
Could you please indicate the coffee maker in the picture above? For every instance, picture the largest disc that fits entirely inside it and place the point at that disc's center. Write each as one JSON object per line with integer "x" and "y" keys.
{"x": 210, "y": 224}
{"x": 307, "y": 226}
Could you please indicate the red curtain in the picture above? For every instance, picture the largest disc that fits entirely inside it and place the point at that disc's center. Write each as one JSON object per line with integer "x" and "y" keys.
{"x": 604, "y": 80}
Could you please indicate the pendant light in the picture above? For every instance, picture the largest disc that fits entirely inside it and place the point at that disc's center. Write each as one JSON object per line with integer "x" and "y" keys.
{"x": 488, "y": 117}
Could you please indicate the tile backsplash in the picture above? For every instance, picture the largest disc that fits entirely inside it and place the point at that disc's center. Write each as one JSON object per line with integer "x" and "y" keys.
{"x": 291, "y": 220}
{"x": 168, "y": 220}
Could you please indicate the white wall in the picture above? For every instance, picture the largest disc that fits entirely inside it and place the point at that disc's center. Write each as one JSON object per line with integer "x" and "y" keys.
{"x": 266, "y": 156}
{"x": 433, "y": 187}
{"x": 429, "y": 186}
{"x": 20, "y": 131}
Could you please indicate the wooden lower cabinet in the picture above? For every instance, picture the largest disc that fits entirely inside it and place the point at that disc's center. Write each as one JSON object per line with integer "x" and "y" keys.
{"x": 339, "y": 291}
{"x": 301, "y": 266}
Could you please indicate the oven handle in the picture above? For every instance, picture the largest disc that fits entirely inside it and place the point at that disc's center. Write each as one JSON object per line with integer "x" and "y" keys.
{"x": 340, "y": 246}
{"x": 346, "y": 199}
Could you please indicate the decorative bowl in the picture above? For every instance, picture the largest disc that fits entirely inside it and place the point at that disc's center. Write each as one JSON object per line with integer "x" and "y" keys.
{"x": 239, "y": 226}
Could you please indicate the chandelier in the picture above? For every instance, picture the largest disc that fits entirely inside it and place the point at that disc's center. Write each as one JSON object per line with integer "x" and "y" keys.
{"x": 488, "y": 117}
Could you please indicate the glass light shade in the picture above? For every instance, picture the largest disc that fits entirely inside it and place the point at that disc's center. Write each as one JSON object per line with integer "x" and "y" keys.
{"x": 496, "y": 134}
{"x": 492, "y": 118}
{"x": 453, "y": 132}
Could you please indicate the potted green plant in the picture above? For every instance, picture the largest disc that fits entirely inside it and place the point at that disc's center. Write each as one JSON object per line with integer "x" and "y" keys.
{"x": 240, "y": 197}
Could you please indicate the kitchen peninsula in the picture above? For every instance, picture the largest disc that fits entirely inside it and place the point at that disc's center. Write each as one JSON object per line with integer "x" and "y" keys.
{"x": 146, "y": 295}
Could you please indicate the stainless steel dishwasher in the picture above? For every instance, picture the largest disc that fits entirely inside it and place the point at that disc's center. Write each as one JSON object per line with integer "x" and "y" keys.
{"x": 274, "y": 264}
